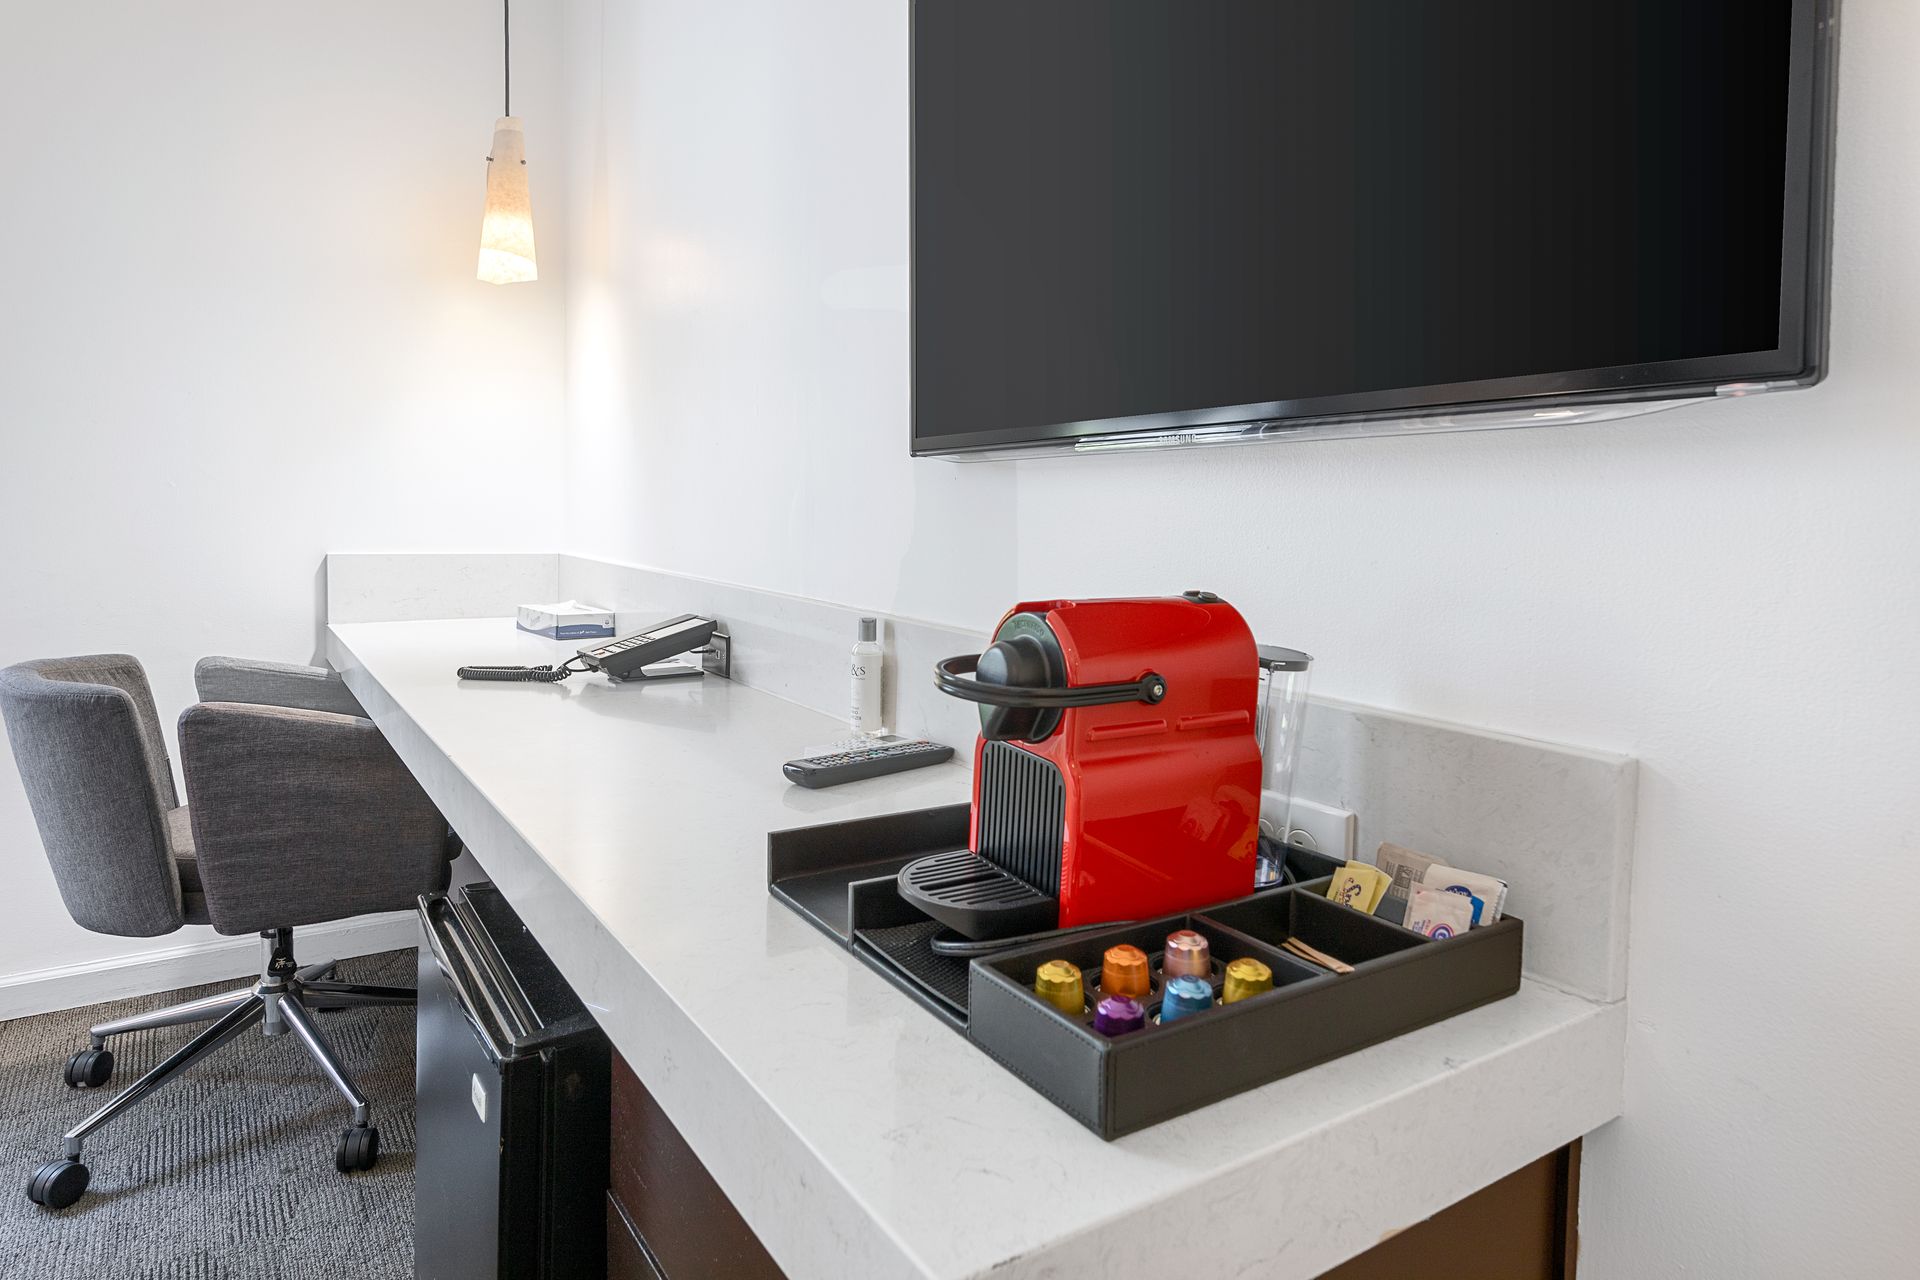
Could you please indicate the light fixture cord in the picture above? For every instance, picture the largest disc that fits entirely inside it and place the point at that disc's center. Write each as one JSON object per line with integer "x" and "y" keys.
{"x": 506, "y": 56}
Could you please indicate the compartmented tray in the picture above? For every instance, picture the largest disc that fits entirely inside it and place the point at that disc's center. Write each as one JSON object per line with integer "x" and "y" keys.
{"x": 842, "y": 879}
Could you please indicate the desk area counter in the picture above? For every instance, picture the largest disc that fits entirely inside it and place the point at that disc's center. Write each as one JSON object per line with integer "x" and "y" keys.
{"x": 856, "y": 1134}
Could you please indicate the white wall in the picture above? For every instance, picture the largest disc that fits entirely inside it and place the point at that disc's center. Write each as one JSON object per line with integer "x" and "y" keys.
{"x": 737, "y": 345}
{"x": 239, "y": 328}
{"x": 1728, "y": 592}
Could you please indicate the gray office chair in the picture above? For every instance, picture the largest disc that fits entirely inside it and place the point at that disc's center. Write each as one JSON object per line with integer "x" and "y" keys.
{"x": 300, "y": 813}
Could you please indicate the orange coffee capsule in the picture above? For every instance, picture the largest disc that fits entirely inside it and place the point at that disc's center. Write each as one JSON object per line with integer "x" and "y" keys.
{"x": 1124, "y": 972}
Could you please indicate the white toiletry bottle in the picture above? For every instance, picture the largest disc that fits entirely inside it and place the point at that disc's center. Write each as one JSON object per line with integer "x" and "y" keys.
{"x": 866, "y": 679}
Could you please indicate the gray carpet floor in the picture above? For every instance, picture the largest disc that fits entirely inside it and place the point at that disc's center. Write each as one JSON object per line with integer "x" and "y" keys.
{"x": 226, "y": 1173}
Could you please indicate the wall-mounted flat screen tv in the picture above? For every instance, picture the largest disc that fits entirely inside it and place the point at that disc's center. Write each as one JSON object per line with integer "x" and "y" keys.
{"x": 1187, "y": 220}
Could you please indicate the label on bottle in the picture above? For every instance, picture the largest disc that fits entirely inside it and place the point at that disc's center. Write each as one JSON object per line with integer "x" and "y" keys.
{"x": 865, "y": 711}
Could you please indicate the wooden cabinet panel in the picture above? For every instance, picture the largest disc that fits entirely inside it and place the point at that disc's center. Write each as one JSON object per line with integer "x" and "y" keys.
{"x": 1523, "y": 1227}
{"x": 670, "y": 1201}
{"x": 626, "y": 1256}
{"x": 668, "y": 1220}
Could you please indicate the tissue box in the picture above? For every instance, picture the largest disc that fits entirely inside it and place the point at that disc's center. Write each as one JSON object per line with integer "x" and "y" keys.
{"x": 567, "y": 620}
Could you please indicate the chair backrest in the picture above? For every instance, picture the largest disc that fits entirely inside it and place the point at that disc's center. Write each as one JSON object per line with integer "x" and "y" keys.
{"x": 88, "y": 745}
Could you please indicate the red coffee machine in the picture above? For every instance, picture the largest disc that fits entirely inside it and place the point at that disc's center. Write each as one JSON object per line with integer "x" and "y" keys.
{"x": 1117, "y": 775}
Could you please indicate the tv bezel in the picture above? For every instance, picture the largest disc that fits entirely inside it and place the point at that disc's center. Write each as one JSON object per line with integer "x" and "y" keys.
{"x": 1798, "y": 361}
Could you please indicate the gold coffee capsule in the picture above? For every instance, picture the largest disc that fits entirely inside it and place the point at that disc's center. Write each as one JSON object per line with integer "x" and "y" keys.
{"x": 1058, "y": 983}
{"x": 1246, "y": 977}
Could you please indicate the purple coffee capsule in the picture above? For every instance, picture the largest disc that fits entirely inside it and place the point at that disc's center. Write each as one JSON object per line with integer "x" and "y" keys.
{"x": 1117, "y": 1015}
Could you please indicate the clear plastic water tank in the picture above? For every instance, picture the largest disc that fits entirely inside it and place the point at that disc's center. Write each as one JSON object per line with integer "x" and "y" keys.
{"x": 1283, "y": 708}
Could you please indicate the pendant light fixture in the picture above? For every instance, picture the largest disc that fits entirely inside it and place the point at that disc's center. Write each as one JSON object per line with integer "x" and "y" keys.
{"x": 506, "y": 230}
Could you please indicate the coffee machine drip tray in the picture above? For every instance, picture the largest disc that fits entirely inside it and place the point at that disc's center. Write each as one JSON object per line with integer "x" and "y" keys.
{"x": 970, "y": 895}
{"x": 905, "y": 951}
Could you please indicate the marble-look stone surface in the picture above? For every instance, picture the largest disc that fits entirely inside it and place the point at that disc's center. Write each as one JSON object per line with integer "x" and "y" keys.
{"x": 793, "y": 646}
{"x": 859, "y": 1136}
{"x": 1555, "y": 822}
{"x": 411, "y": 586}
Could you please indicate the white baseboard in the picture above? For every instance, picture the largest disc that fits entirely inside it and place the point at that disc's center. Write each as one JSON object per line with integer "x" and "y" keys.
{"x": 74, "y": 985}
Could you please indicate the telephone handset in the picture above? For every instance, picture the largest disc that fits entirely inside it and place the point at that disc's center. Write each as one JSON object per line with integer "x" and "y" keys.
{"x": 627, "y": 658}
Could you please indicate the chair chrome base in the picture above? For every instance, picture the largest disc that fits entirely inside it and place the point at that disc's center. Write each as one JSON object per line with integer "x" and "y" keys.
{"x": 283, "y": 999}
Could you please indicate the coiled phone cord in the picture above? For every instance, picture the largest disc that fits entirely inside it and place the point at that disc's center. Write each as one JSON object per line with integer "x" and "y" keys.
{"x": 523, "y": 675}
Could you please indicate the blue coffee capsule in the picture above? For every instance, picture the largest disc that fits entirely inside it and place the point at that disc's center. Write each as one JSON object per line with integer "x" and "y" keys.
{"x": 1183, "y": 996}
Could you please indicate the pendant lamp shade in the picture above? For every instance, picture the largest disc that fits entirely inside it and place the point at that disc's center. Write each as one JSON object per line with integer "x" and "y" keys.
{"x": 506, "y": 230}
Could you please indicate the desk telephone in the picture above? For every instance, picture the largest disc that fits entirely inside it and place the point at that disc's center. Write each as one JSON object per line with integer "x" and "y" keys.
{"x": 641, "y": 656}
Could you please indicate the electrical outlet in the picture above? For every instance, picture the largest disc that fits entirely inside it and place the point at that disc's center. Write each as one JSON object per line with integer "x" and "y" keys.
{"x": 1322, "y": 828}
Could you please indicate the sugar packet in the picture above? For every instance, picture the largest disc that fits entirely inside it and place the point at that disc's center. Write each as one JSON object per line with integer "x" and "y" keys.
{"x": 1491, "y": 890}
{"x": 1404, "y": 865}
{"x": 1359, "y": 886}
{"x": 1437, "y": 913}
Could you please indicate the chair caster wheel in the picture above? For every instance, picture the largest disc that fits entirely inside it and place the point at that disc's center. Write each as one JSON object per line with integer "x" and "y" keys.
{"x": 58, "y": 1183}
{"x": 359, "y": 1149}
{"x": 89, "y": 1069}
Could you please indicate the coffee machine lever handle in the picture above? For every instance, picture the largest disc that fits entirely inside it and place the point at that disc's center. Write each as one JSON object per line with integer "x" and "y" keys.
{"x": 950, "y": 677}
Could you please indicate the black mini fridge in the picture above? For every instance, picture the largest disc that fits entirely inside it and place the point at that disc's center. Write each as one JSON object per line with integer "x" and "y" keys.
{"x": 510, "y": 1171}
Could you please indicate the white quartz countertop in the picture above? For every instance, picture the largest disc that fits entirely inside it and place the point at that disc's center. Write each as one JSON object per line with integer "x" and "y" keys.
{"x": 855, "y": 1132}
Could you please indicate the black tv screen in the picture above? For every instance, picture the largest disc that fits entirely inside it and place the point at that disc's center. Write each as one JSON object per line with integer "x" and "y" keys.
{"x": 1150, "y": 216}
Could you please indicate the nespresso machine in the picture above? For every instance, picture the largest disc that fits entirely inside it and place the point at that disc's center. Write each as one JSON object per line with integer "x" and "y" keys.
{"x": 1118, "y": 771}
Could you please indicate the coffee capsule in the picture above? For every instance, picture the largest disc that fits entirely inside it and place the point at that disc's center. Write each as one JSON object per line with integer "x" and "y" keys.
{"x": 1184, "y": 996}
{"x": 1058, "y": 983}
{"x": 1246, "y": 977}
{"x": 1124, "y": 972}
{"x": 1117, "y": 1015}
{"x": 1186, "y": 955}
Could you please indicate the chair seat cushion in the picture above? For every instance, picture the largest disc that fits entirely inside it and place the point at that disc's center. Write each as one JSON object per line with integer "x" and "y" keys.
{"x": 193, "y": 897}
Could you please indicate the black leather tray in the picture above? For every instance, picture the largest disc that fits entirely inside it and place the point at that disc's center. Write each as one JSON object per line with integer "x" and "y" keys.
{"x": 840, "y": 878}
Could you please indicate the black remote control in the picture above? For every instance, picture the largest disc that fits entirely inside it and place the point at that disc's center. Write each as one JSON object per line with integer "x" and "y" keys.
{"x": 857, "y": 761}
